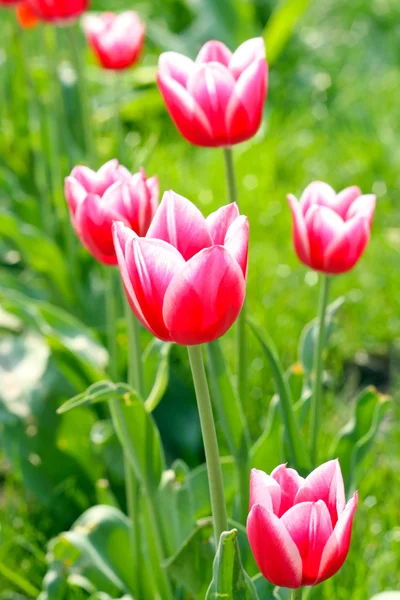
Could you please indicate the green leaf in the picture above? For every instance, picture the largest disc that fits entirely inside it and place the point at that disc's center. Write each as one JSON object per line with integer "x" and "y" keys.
{"x": 356, "y": 437}
{"x": 97, "y": 550}
{"x": 229, "y": 578}
{"x": 39, "y": 252}
{"x": 191, "y": 565}
{"x": 281, "y": 26}
{"x": 297, "y": 449}
{"x": 200, "y": 493}
{"x": 227, "y": 403}
{"x": 309, "y": 335}
{"x": 156, "y": 366}
{"x": 267, "y": 451}
{"x": 135, "y": 428}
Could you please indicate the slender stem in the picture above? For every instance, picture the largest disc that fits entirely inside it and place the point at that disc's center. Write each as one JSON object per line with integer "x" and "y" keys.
{"x": 111, "y": 321}
{"x": 316, "y": 399}
{"x": 215, "y": 481}
{"x": 135, "y": 366}
{"x": 297, "y": 594}
{"x": 132, "y": 490}
{"x": 241, "y": 331}
{"x": 84, "y": 97}
{"x": 119, "y": 127}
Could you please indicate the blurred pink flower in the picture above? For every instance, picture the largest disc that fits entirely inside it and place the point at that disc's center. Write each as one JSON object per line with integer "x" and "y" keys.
{"x": 116, "y": 40}
{"x": 186, "y": 280}
{"x": 97, "y": 199}
{"x": 218, "y": 99}
{"x": 299, "y": 529}
{"x": 331, "y": 231}
{"x": 58, "y": 10}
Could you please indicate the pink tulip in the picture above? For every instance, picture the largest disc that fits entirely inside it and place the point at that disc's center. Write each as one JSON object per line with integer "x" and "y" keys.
{"x": 186, "y": 279}
{"x": 331, "y": 231}
{"x": 96, "y": 200}
{"x": 299, "y": 529}
{"x": 58, "y": 10}
{"x": 218, "y": 99}
{"x": 117, "y": 40}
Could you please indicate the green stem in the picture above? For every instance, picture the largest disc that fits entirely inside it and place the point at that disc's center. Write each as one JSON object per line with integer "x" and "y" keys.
{"x": 215, "y": 481}
{"x": 135, "y": 366}
{"x": 132, "y": 489}
{"x": 111, "y": 321}
{"x": 84, "y": 97}
{"x": 241, "y": 332}
{"x": 297, "y": 594}
{"x": 316, "y": 399}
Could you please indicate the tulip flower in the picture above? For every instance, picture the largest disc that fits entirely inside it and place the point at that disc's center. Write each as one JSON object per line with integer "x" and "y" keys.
{"x": 25, "y": 15}
{"x": 58, "y": 10}
{"x": 331, "y": 231}
{"x": 218, "y": 99}
{"x": 299, "y": 529}
{"x": 97, "y": 199}
{"x": 116, "y": 40}
{"x": 9, "y": 2}
{"x": 186, "y": 279}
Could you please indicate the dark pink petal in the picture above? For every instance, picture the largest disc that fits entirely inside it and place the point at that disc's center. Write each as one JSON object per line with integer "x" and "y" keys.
{"x": 249, "y": 95}
{"x": 250, "y": 51}
{"x": 300, "y": 234}
{"x": 205, "y": 298}
{"x": 363, "y": 206}
{"x": 264, "y": 490}
{"x": 86, "y": 177}
{"x": 325, "y": 483}
{"x": 187, "y": 115}
{"x": 175, "y": 65}
{"x": 338, "y": 545}
{"x": 309, "y": 525}
{"x": 346, "y": 250}
{"x": 214, "y": 51}
{"x": 289, "y": 481}
{"x": 219, "y": 222}
{"x": 237, "y": 241}
{"x": 275, "y": 552}
{"x": 345, "y": 199}
{"x": 75, "y": 193}
{"x": 212, "y": 85}
{"x": 151, "y": 265}
{"x": 319, "y": 193}
{"x": 132, "y": 202}
{"x": 324, "y": 226}
{"x": 180, "y": 223}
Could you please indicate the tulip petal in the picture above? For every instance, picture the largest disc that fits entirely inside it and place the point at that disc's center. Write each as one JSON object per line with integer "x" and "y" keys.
{"x": 212, "y": 85}
{"x": 325, "y": 483}
{"x": 289, "y": 481}
{"x": 319, "y": 193}
{"x": 214, "y": 51}
{"x": 180, "y": 223}
{"x": 187, "y": 115}
{"x": 151, "y": 265}
{"x": 219, "y": 222}
{"x": 309, "y": 525}
{"x": 345, "y": 199}
{"x": 324, "y": 227}
{"x": 300, "y": 234}
{"x": 275, "y": 552}
{"x": 175, "y": 65}
{"x": 338, "y": 545}
{"x": 245, "y": 109}
{"x": 264, "y": 490}
{"x": 363, "y": 206}
{"x": 237, "y": 241}
{"x": 205, "y": 298}
{"x": 75, "y": 193}
{"x": 346, "y": 250}
{"x": 250, "y": 51}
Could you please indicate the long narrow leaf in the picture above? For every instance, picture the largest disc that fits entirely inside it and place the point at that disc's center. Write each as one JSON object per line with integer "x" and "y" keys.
{"x": 281, "y": 25}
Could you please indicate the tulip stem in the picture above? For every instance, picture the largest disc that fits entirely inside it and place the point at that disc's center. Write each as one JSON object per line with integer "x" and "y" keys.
{"x": 111, "y": 320}
{"x": 316, "y": 399}
{"x": 135, "y": 366}
{"x": 297, "y": 594}
{"x": 84, "y": 98}
{"x": 215, "y": 481}
{"x": 241, "y": 331}
{"x": 119, "y": 127}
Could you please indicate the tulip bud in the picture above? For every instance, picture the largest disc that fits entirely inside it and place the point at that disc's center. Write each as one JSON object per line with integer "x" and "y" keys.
{"x": 331, "y": 231}
{"x": 96, "y": 200}
{"x": 116, "y": 40}
{"x": 218, "y": 99}
{"x": 186, "y": 279}
{"x": 299, "y": 529}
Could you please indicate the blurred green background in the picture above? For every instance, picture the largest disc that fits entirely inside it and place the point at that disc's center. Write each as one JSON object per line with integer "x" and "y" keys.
{"x": 332, "y": 114}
